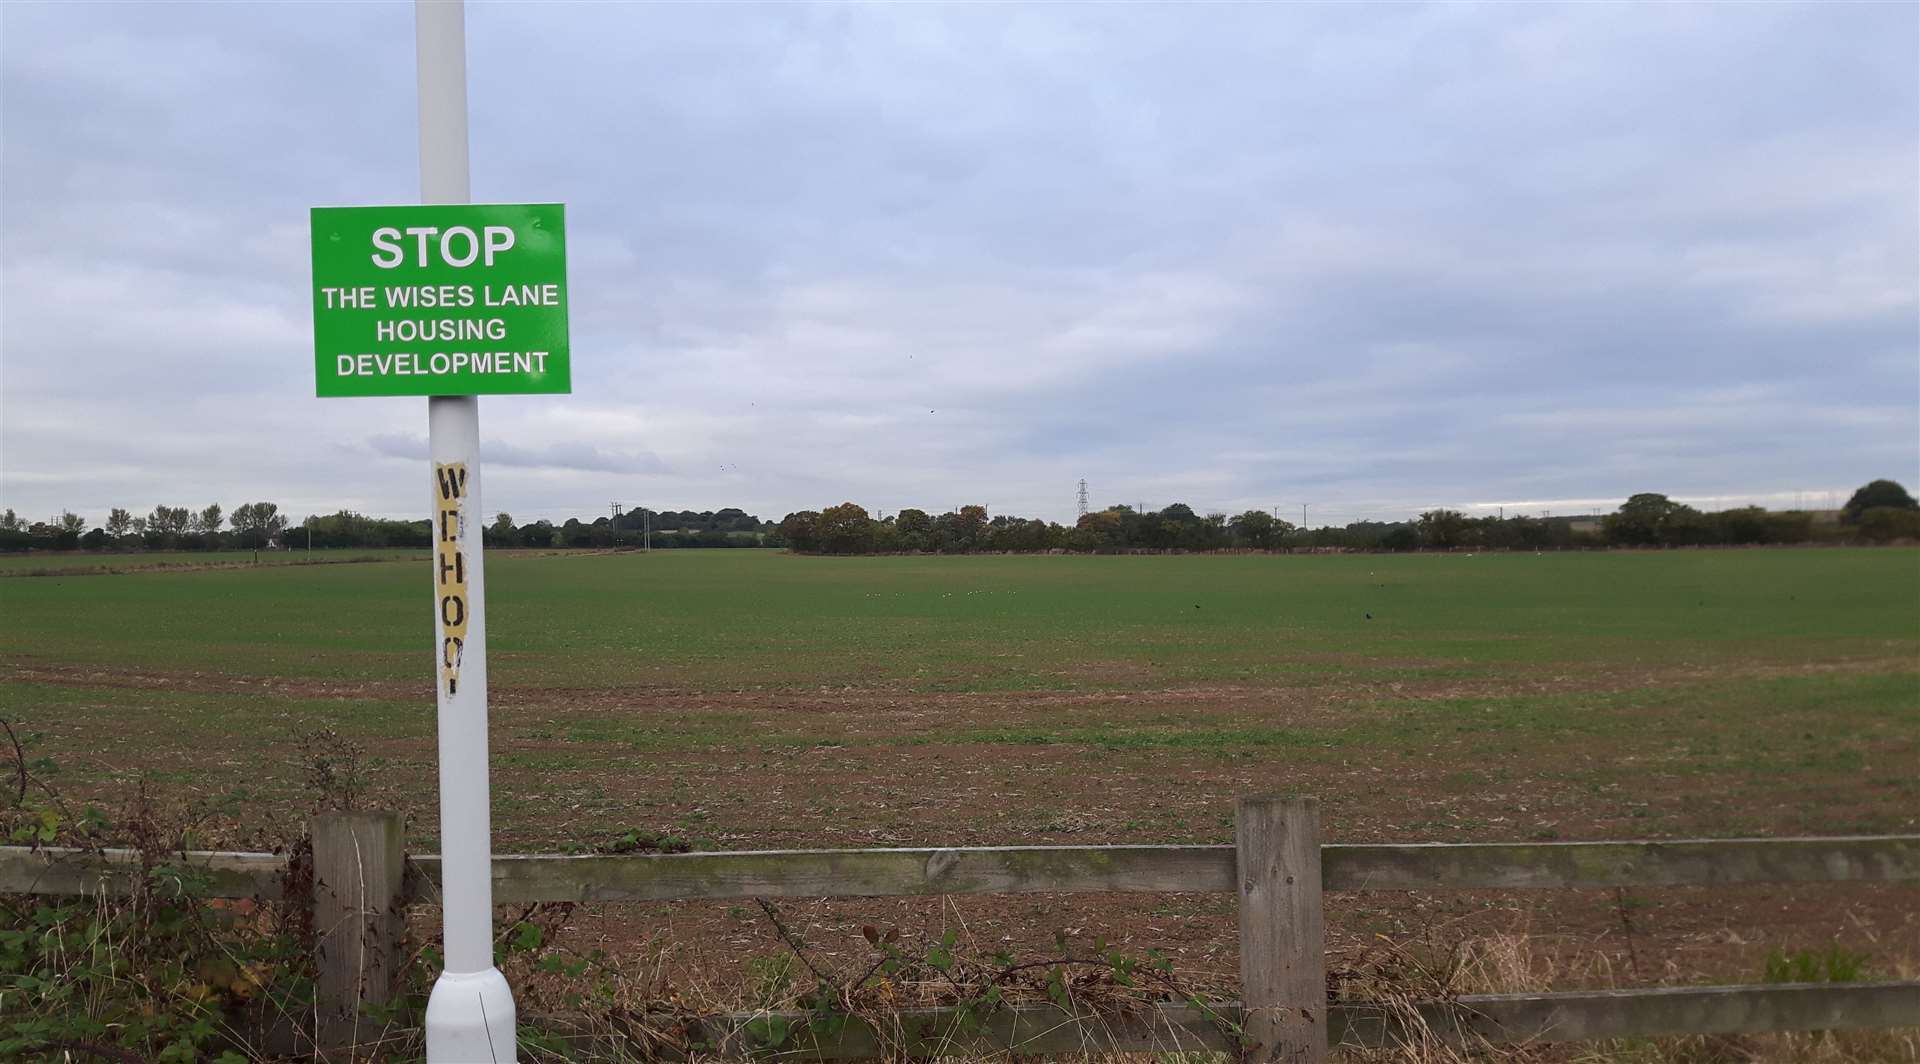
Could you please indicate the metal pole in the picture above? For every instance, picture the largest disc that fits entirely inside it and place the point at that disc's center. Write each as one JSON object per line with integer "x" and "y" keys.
{"x": 470, "y": 1013}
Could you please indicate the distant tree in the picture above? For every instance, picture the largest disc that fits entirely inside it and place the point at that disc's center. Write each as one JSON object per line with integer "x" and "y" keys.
{"x": 68, "y": 521}
{"x": 1687, "y": 527}
{"x": 1532, "y": 532}
{"x": 1364, "y": 535}
{"x": 503, "y": 530}
{"x": 1400, "y": 537}
{"x": 844, "y": 529}
{"x": 211, "y": 520}
{"x": 1884, "y": 524}
{"x": 1170, "y": 528}
{"x": 913, "y": 527}
{"x": 10, "y": 521}
{"x": 1745, "y": 524}
{"x": 1791, "y": 527}
{"x": 1102, "y": 531}
{"x": 734, "y": 519}
{"x": 967, "y": 529}
{"x": 1021, "y": 535}
{"x": 798, "y": 530}
{"x": 1875, "y": 494}
{"x": 537, "y": 534}
{"x": 1138, "y": 528}
{"x": 119, "y": 522}
{"x": 1643, "y": 519}
{"x": 1514, "y": 532}
{"x": 56, "y": 533}
{"x": 1444, "y": 529}
{"x": 168, "y": 520}
{"x": 346, "y": 528}
{"x": 256, "y": 523}
{"x": 1211, "y": 533}
{"x": 98, "y": 539}
{"x": 1259, "y": 529}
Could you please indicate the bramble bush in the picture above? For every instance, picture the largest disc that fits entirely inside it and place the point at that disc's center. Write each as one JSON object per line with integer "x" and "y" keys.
{"x": 154, "y": 971}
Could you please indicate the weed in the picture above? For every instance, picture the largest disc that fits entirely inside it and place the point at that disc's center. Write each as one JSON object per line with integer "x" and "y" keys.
{"x": 1835, "y": 964}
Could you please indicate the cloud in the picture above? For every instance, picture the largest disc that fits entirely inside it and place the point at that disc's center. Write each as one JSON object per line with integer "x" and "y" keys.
{"x": 569, "y": 457}
{"x": 1363, "y": 258}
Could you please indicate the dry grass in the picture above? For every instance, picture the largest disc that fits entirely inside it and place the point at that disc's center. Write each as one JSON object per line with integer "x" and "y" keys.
{"x": 646, "y": 1013}
{"x": 1509, "y": 963}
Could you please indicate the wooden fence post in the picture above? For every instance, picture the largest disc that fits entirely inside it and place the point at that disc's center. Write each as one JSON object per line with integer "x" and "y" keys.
{"x": 1283, "y": 935}
{"x": 358, "y": 921}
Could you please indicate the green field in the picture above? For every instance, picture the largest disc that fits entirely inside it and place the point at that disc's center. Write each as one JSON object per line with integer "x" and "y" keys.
{"x": 1703, "y": 691}
{"x": 62, "y": 563}
{"x": 717, "y": 620}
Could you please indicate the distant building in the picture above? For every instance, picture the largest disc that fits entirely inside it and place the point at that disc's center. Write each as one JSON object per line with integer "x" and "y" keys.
{"x": 1580, "y": 523}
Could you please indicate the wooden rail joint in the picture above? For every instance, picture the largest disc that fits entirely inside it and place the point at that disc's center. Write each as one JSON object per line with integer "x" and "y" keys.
{"x": 359, "y": 920}
{"x": 1283, "y": 937}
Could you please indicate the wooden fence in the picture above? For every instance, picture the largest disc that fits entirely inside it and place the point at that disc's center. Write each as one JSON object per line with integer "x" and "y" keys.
{"x": 1277, "y": 866}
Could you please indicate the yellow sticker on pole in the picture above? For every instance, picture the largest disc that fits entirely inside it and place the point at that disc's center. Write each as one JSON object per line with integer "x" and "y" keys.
{"x": 450, "y": 567}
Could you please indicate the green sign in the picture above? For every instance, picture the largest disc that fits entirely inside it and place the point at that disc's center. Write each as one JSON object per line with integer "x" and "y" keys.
{"x": 453, "y": 299}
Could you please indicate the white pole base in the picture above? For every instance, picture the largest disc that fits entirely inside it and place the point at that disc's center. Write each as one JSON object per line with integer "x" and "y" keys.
{"x": 470, "y": 1019}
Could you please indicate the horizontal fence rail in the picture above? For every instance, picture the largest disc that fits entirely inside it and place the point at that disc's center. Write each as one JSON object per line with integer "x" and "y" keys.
{"x": 861, "y": 873}
{"x": 58, "y": 870}
{"x": 1210, "y": 869}
{"x": 1046, "y": 869}
{"x": 1678, "y": 863}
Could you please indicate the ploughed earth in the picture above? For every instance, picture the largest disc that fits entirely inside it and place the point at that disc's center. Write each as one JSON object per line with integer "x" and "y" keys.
{"x": 1589, "y": 755}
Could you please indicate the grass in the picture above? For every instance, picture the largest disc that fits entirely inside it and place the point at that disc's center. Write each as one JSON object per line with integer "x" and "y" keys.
{"x": 720, "y": 620}
{"x": 75, "y": 563}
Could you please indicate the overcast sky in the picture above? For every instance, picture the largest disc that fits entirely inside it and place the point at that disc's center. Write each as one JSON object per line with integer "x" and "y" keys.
{"x": 1372, "y": 258}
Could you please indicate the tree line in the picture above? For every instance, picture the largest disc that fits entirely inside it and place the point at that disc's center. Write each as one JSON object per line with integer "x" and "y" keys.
{"x": 1880, "y": 512}
{"x": 729, "y": 527}
{"x": 261, "y": 525}
{"x": 251, "y": 525}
